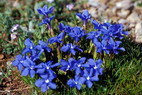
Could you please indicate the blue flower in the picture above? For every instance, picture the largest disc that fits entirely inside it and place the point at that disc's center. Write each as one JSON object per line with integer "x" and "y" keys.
{"x": 102, "y": 46}
{"x": 67, "y": 65}
{"x": 45, "y": 83}
{"x": 30, "y": 48}
{"x": 80, "y": 64}
{"x": 47, "y": 21}
{"x": 90, "y": 77}
{"x": 57, "y": 39}
{"x": 71, "y": 48}
{"x": 46, "y": 68}
{"x": 45, "y": 10}
{"x": 84, "y": 16}
{"x": 29, "y": 67}
{"x": 114, "y": 45}
{"x": 62, "y": 27}
{"x": 77, "y": 33}
{"x": 96, "y": 24}
{"x": 43, "y": 46}
{"x": 94, "y": 36}
{"x": 77, "y": 82}
{"x": 96, "y": 66}
{"x": 18, "y": 62}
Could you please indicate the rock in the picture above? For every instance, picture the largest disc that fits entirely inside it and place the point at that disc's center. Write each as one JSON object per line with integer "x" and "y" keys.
{"x": 125, "y": 4}
{"x": 93, "y": 12}
{"x": 123, "y": 13}
{"x": 122, "y": 21}
{"x": 1, "y": 56}
{"x": 94, "y": 3}
{"x": 133, "y": 18}
{"x": 138, "y": 32}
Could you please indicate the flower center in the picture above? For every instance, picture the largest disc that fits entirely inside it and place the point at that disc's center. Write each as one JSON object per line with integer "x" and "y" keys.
{"x": 68, "y": 67}
{"x": 75, "y": 82}
{"x": 31, "y": 47}
{"x": 47, "y": 81}
{"x": 21, "y": 61}
{"x": 88, "y": 78}
{"x": 47, "y": 67}
{"x": 79, "y": 65}
{"x": 95, "y": 67}
{"x": 32, "y": 67}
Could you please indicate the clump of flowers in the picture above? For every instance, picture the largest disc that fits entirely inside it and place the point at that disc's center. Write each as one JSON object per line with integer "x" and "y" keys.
{"x": 67, "y": 53}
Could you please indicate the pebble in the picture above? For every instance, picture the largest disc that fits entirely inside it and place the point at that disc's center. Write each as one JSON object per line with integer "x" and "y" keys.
{"x": 138, "y": 32}
{"x": 133, "y": 18}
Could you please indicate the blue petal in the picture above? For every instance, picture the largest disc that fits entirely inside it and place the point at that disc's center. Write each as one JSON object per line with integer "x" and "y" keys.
{"x": 39, "y": 82}
{"x": 15, "y": 63}
{"x": 20, "y": 67}
{"x": 44, "y": 87}
{"x": 25, "y": 72}
{"x": 32, "y": 73}
{"x": 63, "y": 62}
{"x": 19, "y": 57}
{"x": 64, "y": 48}
{"x": 55, "y": 65}
{"x": 89, "y": 84}
{"x": 26, "y": 63}
{"x": 78, "y": 86}
{"x": 94, "y": 78}
{"x": 82, "y": 80}
{"x": 63, "y": 68}
{"x": 44, "y": 76}
{"x": 41, "y": 71}
{"x": 91, "y": 62}
{"x": 52, "y": 85}
{"x": 72, "y": 51}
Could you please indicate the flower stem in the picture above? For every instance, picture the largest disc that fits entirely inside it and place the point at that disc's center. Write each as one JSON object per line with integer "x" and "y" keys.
{"x": 59, "y": 55}
{"x": 94, "y": 53}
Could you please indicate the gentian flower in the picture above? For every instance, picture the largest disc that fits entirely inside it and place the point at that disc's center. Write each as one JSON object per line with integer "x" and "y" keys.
{"x": 47, "y": 21}
{"x": 90, "y": 77}
{"x": 77, "y": 33}
{"x": 46, "y": 67}
{"x": 96, "y": 65}
{"x": 30, "y": 48}
{"x": 84, "y": 16}
{"x": 57, "y": 39}
{"x": 62, "y": 27}
{"x": 79, "y": 64}
{"x": 67, "y": 65}
{"x": 115, "y": 46}
{"x": 45, "y": 83}
{"x": 94, "y": 36}
{"x": 18, "y": 62}
{"x": 71, "y": 48}
{"x": 77, "y": 82}
{"x": 43, "y": 46}
{"x": 29, "y": 67}
{"x": 96, "y": 24}
{"x": 45, "y": 10}
{"x": 102, "y": 46}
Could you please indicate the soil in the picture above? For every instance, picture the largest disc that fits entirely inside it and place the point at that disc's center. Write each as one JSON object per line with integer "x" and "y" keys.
{"x": 12, "y": 84}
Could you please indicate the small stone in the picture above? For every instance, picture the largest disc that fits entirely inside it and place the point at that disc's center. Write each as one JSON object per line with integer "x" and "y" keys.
{"x": 133, "y": 18}
{"x": 1, "y": 56}
{"x": 125, "y": 4}
{"x": 138, "y": 32}
{"x": 122, "y": 21}
{"x": 93, "y": 12}
{"x": 123, "y": 13}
